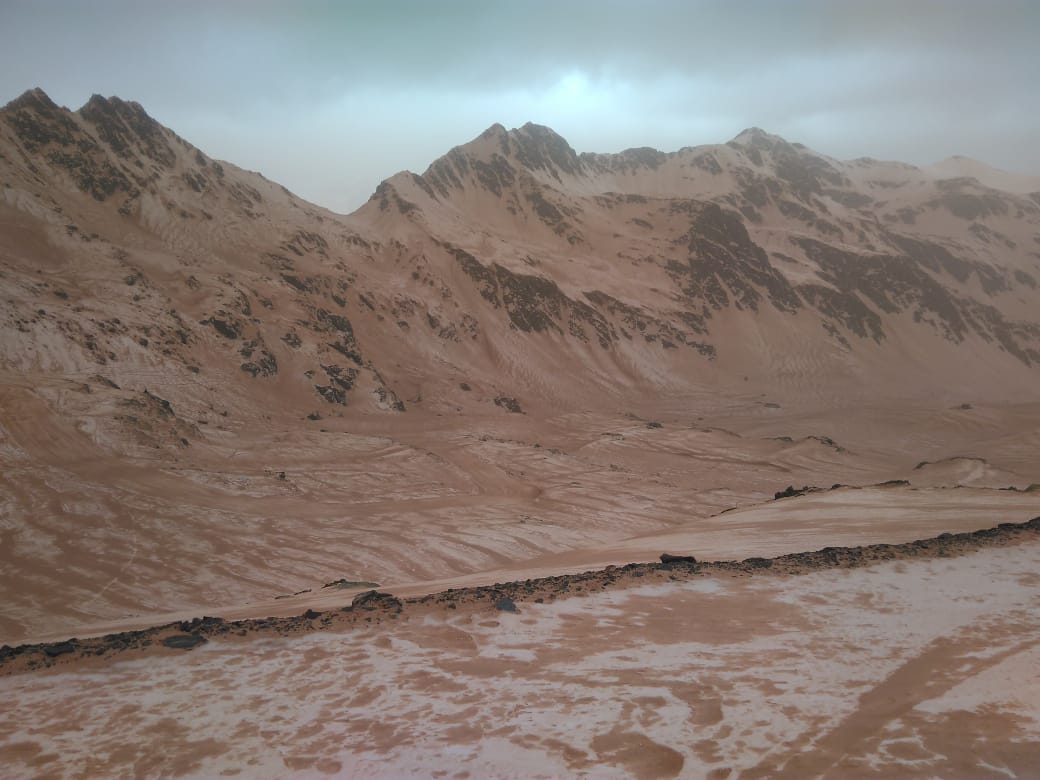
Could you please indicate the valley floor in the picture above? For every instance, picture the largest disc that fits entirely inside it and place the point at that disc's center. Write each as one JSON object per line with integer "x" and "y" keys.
{"x": 918, "y": 667}
{"x": 915, "y": 667}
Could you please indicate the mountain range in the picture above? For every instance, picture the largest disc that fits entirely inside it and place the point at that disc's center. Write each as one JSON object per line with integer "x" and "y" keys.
{"x": 510, "y": 260}
{"x": 213, "y": 389}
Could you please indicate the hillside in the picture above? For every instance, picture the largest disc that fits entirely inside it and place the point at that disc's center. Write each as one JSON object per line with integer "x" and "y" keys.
{"x": 214, "y": 392}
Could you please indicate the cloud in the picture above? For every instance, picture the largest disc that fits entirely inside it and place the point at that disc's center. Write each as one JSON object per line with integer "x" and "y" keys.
{"x": 330, "y": 97}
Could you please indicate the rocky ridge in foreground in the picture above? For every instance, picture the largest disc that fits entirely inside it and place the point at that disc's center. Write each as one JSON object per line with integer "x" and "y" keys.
{"x": 375, "y": 607}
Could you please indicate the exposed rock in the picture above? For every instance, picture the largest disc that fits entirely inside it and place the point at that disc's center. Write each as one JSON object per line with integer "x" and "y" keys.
{"x": 509, "y": 404}
{"x": 345, "y": 583}
{"x": 184, "y": 641}
{"x": 790, "y": 491}
{"x": 204, "y": 623}
{"x": 758, "y": 563}
{"x": 59, "y": 648}
{"x": 668, "y": 558}
{"x": 373, "y": 599}
{"x": 505, "y": 604}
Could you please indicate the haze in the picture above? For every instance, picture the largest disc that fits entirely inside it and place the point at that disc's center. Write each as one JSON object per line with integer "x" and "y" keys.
{"x": 330, "y": 98}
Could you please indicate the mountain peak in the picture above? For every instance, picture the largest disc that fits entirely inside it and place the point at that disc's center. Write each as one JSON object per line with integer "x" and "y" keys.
{"x": 496, "y": 130}
{"x": 34, "y": 99}
{"x": 538, "y": 147}
{"x": 124, "y": 124}
{"x": 757, "y": 138}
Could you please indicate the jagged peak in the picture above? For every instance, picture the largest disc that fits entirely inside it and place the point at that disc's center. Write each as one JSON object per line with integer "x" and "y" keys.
{"x": 751, "y": 134}
{"x": 112, "y": 104}
{"x": 758, "y": 138}
{"x": 496, "y": 130}
{"x": 99, "y": 107}
{"x": 123, "y": 124}
{"x": 35, "y": 99}
{"x": 538, "y": 131}
{"x": 537, "y": 147}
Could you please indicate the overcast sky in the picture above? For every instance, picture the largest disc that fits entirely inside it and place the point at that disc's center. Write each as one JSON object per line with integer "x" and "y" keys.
{"x": 329, "y": 98}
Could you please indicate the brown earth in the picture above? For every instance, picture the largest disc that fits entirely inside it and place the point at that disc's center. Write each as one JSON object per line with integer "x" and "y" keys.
{"x": 216, "y": 398}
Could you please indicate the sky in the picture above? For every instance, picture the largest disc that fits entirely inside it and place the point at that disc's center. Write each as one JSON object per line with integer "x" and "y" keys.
{"x": 330, "y": 98}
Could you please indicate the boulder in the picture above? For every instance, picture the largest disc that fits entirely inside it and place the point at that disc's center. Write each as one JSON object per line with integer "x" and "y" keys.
{"x": 373, "y": 599}
{"x": 505, "y": 604}
{"x": 668, "y": 558}
{"x": 59, "y": 648}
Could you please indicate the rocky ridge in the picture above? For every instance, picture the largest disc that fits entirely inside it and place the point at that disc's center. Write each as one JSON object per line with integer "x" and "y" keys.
{"x": 375, "y": 607}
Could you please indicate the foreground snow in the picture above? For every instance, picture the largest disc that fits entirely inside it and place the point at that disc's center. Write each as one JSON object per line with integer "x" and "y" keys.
{"x": 918, "y": 668}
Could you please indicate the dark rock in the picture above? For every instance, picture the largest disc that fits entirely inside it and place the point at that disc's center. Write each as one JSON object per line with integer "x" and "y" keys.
{"x": 667, "y": 558}
{"x": 184, "y": 641}
{"x": 758, "y": 563}
{"x": 509, "y": 404}
{"x": 373, "y": 599}
{"x": 188, "y": 626}
{"x": 345, "y": 583}
{"x": 229, "y": 329}
{"x": 60, "y": 648}
{"x": 790, "y": 491}
{"x": 310, "y": 614}
{"x": 505, "y": 604}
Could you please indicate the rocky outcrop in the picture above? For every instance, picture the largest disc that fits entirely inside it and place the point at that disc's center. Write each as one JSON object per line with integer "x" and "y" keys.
{"x": 183, "y": 641}
{"x": 374, "y": 605}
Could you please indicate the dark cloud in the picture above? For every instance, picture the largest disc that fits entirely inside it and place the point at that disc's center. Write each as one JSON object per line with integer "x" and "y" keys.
{"x": 329, "y": 97}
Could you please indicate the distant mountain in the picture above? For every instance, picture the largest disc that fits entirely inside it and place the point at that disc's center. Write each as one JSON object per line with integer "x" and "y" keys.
{"x": 513, "y": 266}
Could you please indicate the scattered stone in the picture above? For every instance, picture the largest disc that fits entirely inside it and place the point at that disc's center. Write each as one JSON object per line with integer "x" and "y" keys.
{"x": 184, "y": 641}
{"x": 344, "y": 583}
